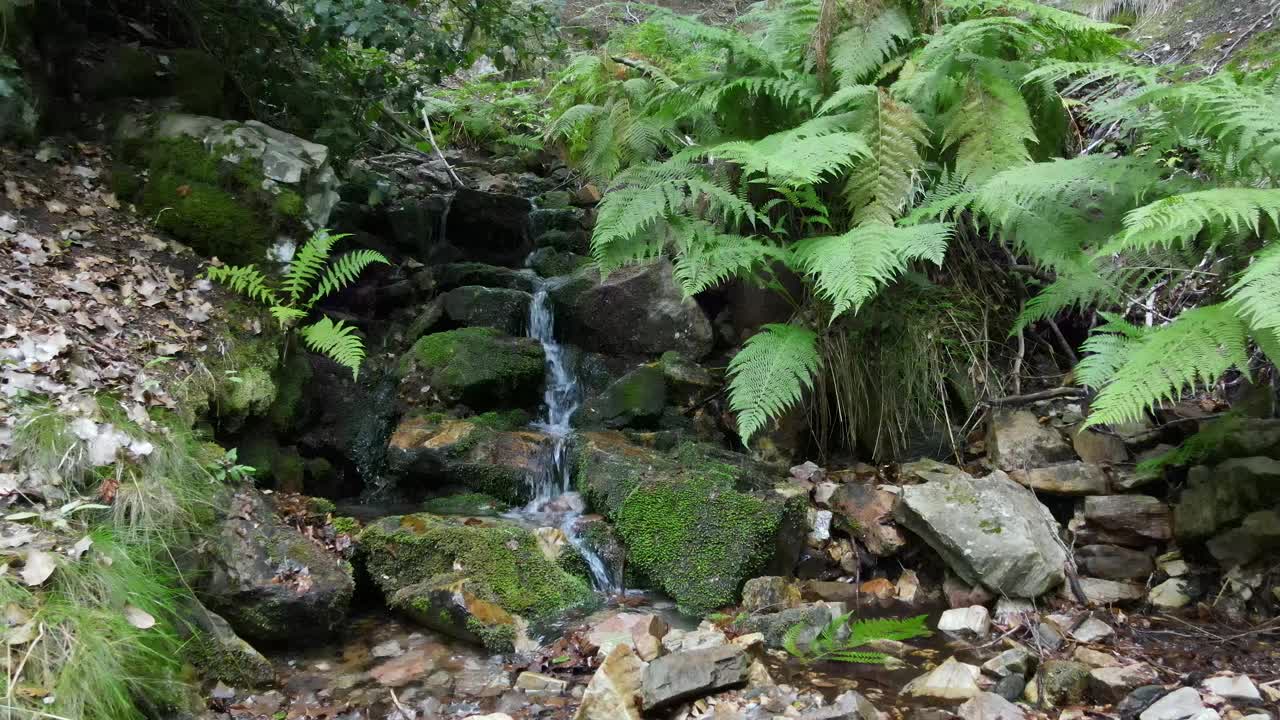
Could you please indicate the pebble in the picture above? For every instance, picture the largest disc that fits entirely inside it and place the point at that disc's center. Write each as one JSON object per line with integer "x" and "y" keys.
{"x": 1092, "y": 630}
{"x": 971, "y": 623}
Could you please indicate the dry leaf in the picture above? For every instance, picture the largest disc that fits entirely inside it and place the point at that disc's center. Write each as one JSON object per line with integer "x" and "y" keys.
{"x": 80, "y": 548}
{"x": 139, "y": 618}
{"x": 39, "y": 566}
{"x": 55, "y": 206}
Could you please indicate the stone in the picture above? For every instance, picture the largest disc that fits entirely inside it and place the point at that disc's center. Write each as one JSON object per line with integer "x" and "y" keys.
{"x": 774, "y": 626}
{"x": 960, "y": 594}
{"x": 1107, "y": 592}
{"x": 989, "y": 706}
{"x": 1049, "y": 635}
{"x": 219, "y": 654}
{"x": 537, "y": 682}
{"x": 456, "y": 275}
{"x": 1172, "y": 564}
{"x": 692, "y": 674}
{"x": 1180, "y": 704}
{"x": 866, "y": 513}
{"x": 1014, "y": 612}
{"x": 823, "y": 492}
{"x": 830, "y": 591}
{"x": 952, "y": 680}
{"x": 478, "y": 367}
{"x": 1112, "y": 683}
{"x": 990, "y": 531}
{"x": 268, "y": 580}
{"x": 1071, "y": 478}
{"x": 971, "y": 624}
{"x": 1236, "y": 688}
{"x": 1010, "y": 688}
{"x": 1214, "y": 498}
{"x": 490, "y": 716}
{"x": 642, "y": 631}
{"x": 466, "y": 456}
{"x": 1014, "y": 661}
{"x": 388, "y": 649}
{"x": 1062, "y": 682}
{"x": 1170, "y": 594}
{"x": 550, "y": 262}
{"x": 498, "y": 308}
{"x": 706, "y": 635}
{"x": 687, "y": 381}
{"x": 635, "y": 400}
{"x": 1257, "y": 535}
{"x": 1017, "y": 441}
{"x": 849, "y": 705}
{"x": 820, "y": 527}
{"x": 1099, "y": 448}
{"x": 1130, "y": 520}
{"x": 636, "y": 310}
{"x": 908, "y": 590}
{"x": 770, "y": 594}
{"x": 614, "y": 691}
{"x": 1094, "y": 658}
{"x": 882, "y": 590}
{"x": 1091, "y": 631}
{"x": 1113, "y": 562}
{"x": 493, "y": 227}
{"x": 1138, "y": 700}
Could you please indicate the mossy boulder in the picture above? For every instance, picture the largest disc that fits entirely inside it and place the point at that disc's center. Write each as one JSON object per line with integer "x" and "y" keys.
{"x": 268, "y": 579}
{"x": 478, "y": 580}
{"x": 497, "y": 308}
{"x": 550, "y": 262}
{"x": 219, "y": 654}
{"x": 478, "y": 367}
{"x": 636, "y": 399}
{"x": 687, "y": 381}
{"x": 429, "y": 454}
{"x": 466, "y": 504}
{"x": 698, "y": 523}
{"x": 456, "y": 275}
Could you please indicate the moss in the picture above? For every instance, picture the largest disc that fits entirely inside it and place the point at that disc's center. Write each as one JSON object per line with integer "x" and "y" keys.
{"x": 200, "y": 80}
{"x": 637, "y": 399}
{"x": 291, "y": 379}
{"x": 249, "y": 391}
{"x": 504, "y": 483}
{"x": 125, "y": 181}
{"x": 290, "y": 204}
{"x": 344, "y": 525}
{"x": 1260, "y": 52}
{"x": 465, "y": 504}
{"x": 496, "y": 638}
{"x": 231, "y": 660}
{"x": 320, "y": 506}
{"x": 503, "y": 421}
{"x": 478, "y": 366}
{"x": 210, "y": 219}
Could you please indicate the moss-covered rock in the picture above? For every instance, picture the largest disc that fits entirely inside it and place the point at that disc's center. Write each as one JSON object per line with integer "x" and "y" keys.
{"x": 497, "y": 308}
{"x": 550, "y": 262}
{"x": 698, "y": 524}
{"x": 475, "y": 580}
{"x": 478, "y": 367}
{"x": 635, "y": 400}
{"x": 431, "y": 454}
{"x": 456, "y": 275}
{"x": 19, "y": 109}
{"x": 468, "y": 504}
{"x": 219, "y": 654}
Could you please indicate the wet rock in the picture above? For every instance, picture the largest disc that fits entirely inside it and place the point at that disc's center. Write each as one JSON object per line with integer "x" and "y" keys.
{"x": 952, "y": 680}
{"x": 219, "y": 654}
{"x": 1113, "y": 562}
{"x": 490, "y": 227}
{"x": 482, "y": 678}
{"x": 1130, "y": 520}
{"x": 866, "y": 513}
{"x": 1180, "y": 704}
{"x": 1072, "y": 478}
{"x": 1099, "y": 448}
{"x": 1010, "y": 688}
{"x": 881, "y": 590}
{"x": 960, "y": 594}
{"x": 1049, "y": 635}
{"x": 1257, "y": 535}
{"x": 989, "y": 530}
{"x": 637, "y": 310}
{"x": 698, "y": 524}
{"x": 642, "y": 631}
{"x": 1092, "y": 630}
{"x": 478, "y": 367}
{"x": 971, "y": 623}
{"x": 635, "y": 400}
{"x": 1015, "y": 661}
{"x": 1170, "y": 594}
{"x": 1112, "y": 683}
{"x": 1236, "y": 688}
{"x": 474, "y": 306}
{"x": 537, "y": 682}
{"x": 908, "y": 590}
{"x": 770, "y": 594}
{"x": 477, "y": 580}
{"x": 687, "y": 381}
{"x": 550, "y": 262}
{"x": 436, "y": 454}
{"x": 1139, "y": 700}
{"x": 691, "y": 674}
{"x": 1017, "y": 441}
{"x": 456, "y": 275}
{"x": 990, "y": 706}
{"x": 388, "y": 649}
{"x": 829, "y": 591}
{"x": 1012, "y": 612}
{"x": 819, "y": 527}
{"x": 268, "y": 580}
{"x": 706, "y": 635}
{"x": 808, "y": 472}
{"x": 1172, "y": 564}
{"x": 1217, "y": 497}
{"x": 1108, "y": 592}
{"x": 614, "y": 690}
{"x": 774, "y": 626}
{"x": 1058, "y": 682}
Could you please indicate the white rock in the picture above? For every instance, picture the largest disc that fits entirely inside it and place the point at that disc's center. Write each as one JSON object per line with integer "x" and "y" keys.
{"x": 1013, "y": 612}
{"x": 990, "y": 706}
{"x": 971, "y": 623}
{"x": 952, "y": 680}
{"x": 1092, "y": 630}
{"x": 537, "y": 682}
{"x": 821, "y": 526}
{"x": 1169, "y": 595}
{"x": 823, "y": 491}
{"x": 613, "y": 693}
{"x": 1234, "y": 687}
{"x": 1172, "y": 564}
{"x": 1180, "y": 704}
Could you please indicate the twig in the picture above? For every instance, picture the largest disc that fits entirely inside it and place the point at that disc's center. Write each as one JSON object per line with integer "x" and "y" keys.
{"x": 1062, "y": 341}
{"x": 1017, "y": 364}
{"x": 406, "y": 712}
{"x": 1061, "y": 392}
{"x": 426, "y": 120}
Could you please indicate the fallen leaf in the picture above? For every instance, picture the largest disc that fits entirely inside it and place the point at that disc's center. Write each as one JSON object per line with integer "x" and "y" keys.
{"x": 81, "y": 547}
{"x": 20, "y": 634}
{"x": 139, "y": 618}
{"x": 39, "y": 566}
{"x": 55, "y": 206}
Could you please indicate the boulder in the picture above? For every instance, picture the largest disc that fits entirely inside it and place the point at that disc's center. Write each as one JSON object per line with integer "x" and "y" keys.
{"x": 692, "y": 674}
{"x": 1071, "y": 478}
{"x": 1017, "y": 441}
{"x": 1114, "y": 562}
{"x": 550, "y": 262}
{"x": 866, "y": 512}
{"x": 476, "y": 579}
{"x": 697, "y": 523}
{"x": 462, "y": 274}
{"x": 1180, "y": 704}
{"x": 1129, "y": 520}
{"x": 770, "y": 594}
{"x": 478, "y": 367}
{"x": 267, "y": 579}
{"x": 474, "y": 306}
{"x": 614, "y": 691}
{"x": 1216, "y": 497}
{"x": 988, "y": 530}
{"x": 1014, "y": 661}
{"x": 489, "y": 227}
{"x": 636, "y": 310}
{"x": 1099, "y": 448}
{"x": 434, "y": 455}
{"x": 642, "y": 631}
{"x": 1110, "y": 684}
{"x": 687, "y": 381}
{"x": 1236, "y": 688}
{"x": 952, "y": 680}
{"x": 813, "y": 617}
{"x": 989, "y": 706}
{"x": 1257, "y": 535}
{"x": 636, "y": 400}
{"x": 221, "y": 655}
{"x": 1091, "y": 630}
{"x": 971, "y": 624}
{"x": 1058, "y": 682}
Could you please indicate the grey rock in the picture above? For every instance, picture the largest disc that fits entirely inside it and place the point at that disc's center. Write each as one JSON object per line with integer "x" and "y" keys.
{"x": 1017, "y": 441}
{"x": 774, "y": 626}
{"x": 1112, "y": 683}
{"x": 769, "y": 594}
{"x": 1099, "y": 448}
{"x": 1216, "y": 497}
{"x": 1010, "y": 688}
{"x": 461, "y": 274}
{"x": 1130, "y": 520}
{"x": 1113, "y": 562}
{"x": 1070, "y": 478}
{"x": 866, "y": 513}
{"x": 990, "y": 706}
{"x": 1011, "y": 612}
{"x": 1058, "y": 682}
{"x": 1237, "y": 688}
{"x": 989, "y": 530}
{"x": 691, "y": 674}
{"x": 635, "y": 400}
{"x": 1170, "y": 594}
{"x": 849, "y": 705}
{"x": 1091, "y": 630}
{"x": 1015, "y": 661}
{"x": 1138, "y": 700}
{"x": 1180, "y": 704}
{"x": 498, "y": 308}
{"x": 1049, "y": 635}
{"x": 1099, "y": 591}
{"x": 972, "y": 623}
{"x": 1257, "y": 535}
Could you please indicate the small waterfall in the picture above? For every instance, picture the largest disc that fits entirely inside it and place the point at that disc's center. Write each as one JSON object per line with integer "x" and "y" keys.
{"x": 552, "y": 487}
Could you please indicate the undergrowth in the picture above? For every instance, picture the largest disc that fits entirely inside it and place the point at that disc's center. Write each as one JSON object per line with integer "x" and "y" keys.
{"x": 843, "y": 637}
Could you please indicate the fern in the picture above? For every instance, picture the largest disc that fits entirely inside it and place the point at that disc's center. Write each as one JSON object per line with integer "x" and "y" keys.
{"x": 308, "y": 263}
{"x": 797, "y": 157}
{"x": 1137, "y": 369}
{"x": 344, "y": 271}
{"x": 840, "y": 639}
{"x": 1181, "y": 219}
{"x": 859, "y": 51}
{"x": 848, "y": 269}
{"x": 246, "y": 280}
{"x": 708, "y": 258}
{"x": 881, "y": 186}
{"x": 990, "y": 130}
{"x": 337, "y": 341}
{"x": 1256, "y": 295}
{"x": 770, "y": 375}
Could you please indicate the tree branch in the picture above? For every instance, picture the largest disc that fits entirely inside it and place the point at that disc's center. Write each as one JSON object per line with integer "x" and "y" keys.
{"x": 1062, "y": 392}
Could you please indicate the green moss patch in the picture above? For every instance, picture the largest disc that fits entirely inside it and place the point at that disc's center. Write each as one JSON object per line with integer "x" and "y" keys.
{"x": 479, "y": 367}
{"x": 470, "y": 504}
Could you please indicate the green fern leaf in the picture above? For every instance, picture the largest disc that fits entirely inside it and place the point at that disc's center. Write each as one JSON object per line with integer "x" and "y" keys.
{"x": 1180, "y": 219}
{"x": 337, "y": 341}
{"x": 770, "y": 375}
{"x": 791, "y": 640}
{"x": 859, "y": 51}
{"x": 1256, "y": 294}
{"x": 286, "y": 315}
{"x": 991, "y": 128}
{"x": 246, "y": 280}
{"x": 344, "y": 271}
{"x": 849, "y": 269}
{"x": 707, "y": 258}
{"x": 796, "y": 157}
{"x": 308, "y": 263}
{"x": 864, "y": 631}
{"x": 882, "y": 185}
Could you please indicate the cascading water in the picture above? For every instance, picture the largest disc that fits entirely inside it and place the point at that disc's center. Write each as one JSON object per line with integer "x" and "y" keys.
{"x": 552, "y": 486}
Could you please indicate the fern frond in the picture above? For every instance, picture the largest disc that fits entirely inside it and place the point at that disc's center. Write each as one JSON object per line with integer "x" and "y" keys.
{"x": 849, "y": 269}
{"x": 1139, "y": 370}
{"x": 706, "y": 257}
{"x": 308, "y": 263}
{"x": 796, "y": 157}
{"x": 337, "y": 341}
{"x": 881, "y": 185}
{"x": 859, "y": 51}
{"x": 286, "y": 315}
{"x": 770, "y": 375}
{"x": 990, "y": 130}
{"x": 246, "y": 280}
{"x": 865, "y": 631}
{"x": 344, "y": 271}
{"x": 791, "y": 640}
{"x": 864, "y": 657}
{"x": 1180, "y": 219}
{"x": 854, "y": 96}
{"x": 1257, "y": 293}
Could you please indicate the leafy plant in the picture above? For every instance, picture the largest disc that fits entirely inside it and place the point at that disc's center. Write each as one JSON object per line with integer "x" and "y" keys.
{"x": 841, "y": 638}
{"x": 310, "y": 278}
{"x": 227, "y": 469}
{"x": 501, "y": 116}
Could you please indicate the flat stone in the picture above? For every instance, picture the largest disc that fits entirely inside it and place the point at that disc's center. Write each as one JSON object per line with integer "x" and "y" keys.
{"x": 1094, "y": 658}
{"x": 1258, "y": 535}
{"x": 1112, "y": 683}
{"x": 388, "y": 649}
{"x": 1138, "y": 700}
{"x": 952, "y": 680}
{"x": 770, "y": 594}
{"x": 1113, "y": 562}
{"x": 823, "y": 492}
{"x": 1099, "y": 448}
{"x": 1107, "y": 592}
{"x": 1092, "y": 630}
{"x": 1172, "y": 564}
{"x": 1180, "y": 704}
{"x": 990, "y": 706}
{"x": 866, "y": 513}
{"x": 537, "y": 682}
{"x": 614, "y": 691}
{"x": 1016, "y": 440}
{"x": 692, "y": 674}
{"x": 1014, "y": 661}
{"x": 971, "y": 623}
{"x": 1072, "y": 478}
{"x": 1219, "y": 496}
{"x": 1170, "y": 594}
{"x": 1132, "y": 520}
{"x": 1238, "y": 688}
{"x": 849, "y": 705}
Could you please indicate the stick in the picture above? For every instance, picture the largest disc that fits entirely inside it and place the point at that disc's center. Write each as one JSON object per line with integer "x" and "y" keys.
{"x": 1061, "y": 392}
{"x": 426, "y": 120}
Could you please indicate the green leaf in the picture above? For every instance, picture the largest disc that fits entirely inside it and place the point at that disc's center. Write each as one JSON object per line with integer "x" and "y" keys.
{"x": 770, "y": 375}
